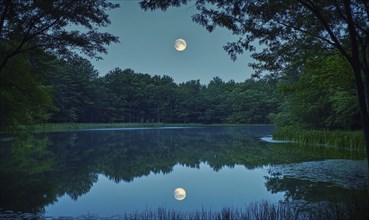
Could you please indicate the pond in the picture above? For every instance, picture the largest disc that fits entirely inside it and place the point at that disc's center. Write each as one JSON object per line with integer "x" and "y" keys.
{"x": 110, "y": 172}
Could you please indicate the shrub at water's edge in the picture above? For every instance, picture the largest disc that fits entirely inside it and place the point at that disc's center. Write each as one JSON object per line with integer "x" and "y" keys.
{"x": 344, "y": 139}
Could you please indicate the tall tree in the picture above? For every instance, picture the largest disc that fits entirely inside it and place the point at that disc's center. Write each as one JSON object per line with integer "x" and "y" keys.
{"x": 215, "y": 95}
{"x": 252, "y": 101}
{"x": 292, "y": 29}
{"x": 24, "y": 98}
{"x": 191, "y": 105}
{"x": 73, "y": 89}
{"x": 322, "y": 97}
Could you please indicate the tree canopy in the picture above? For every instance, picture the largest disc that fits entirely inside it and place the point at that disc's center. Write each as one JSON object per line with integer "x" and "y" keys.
{"x": 57, "y": 26}
{"x": 79, "y": 95}
{"x": 289, "y": 29}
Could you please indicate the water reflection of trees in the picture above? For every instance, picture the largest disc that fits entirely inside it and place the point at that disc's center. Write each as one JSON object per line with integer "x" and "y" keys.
{"x": 24, "y": 167}
{"x": 36, "y": 170}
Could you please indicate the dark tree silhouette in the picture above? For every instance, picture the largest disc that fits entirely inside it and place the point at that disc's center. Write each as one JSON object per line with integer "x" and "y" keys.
{"x": 27, "y": 25}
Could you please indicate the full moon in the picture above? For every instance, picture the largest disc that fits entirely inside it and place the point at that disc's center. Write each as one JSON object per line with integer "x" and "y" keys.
{"x": 179, "y": 194}
{"x": 180, "y": 44}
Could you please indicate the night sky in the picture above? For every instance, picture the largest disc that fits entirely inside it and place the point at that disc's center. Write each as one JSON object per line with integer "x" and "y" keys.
{"x": 147, "y": 46}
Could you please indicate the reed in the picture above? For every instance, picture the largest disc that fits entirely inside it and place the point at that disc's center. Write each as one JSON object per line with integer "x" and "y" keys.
{"x": 343, "y": 139}
{"x": 356, "y": 208}
{"x": 255, "y": 211}
{"x": 353, "y": 206}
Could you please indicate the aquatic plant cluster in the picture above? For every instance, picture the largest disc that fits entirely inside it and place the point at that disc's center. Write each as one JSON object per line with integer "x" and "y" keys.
{"x": 353, "y": 140}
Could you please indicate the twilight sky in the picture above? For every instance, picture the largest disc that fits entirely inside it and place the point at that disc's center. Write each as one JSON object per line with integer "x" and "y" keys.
{"x": 147, "y": 46}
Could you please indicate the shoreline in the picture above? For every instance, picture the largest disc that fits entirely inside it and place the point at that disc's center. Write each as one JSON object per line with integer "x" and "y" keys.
{"x": 54, "y": 127}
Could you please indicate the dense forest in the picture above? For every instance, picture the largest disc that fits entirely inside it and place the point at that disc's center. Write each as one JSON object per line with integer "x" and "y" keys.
{"x": 319, "y": 94}
{"x": 312, "y": 74}
{"x": 72, "y": 91}
{"x": 79, "y": 95}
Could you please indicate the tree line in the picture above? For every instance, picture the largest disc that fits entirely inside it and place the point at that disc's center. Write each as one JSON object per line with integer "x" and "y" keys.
{"x": 80, "y": 95}
{"x": 318, "y": 94}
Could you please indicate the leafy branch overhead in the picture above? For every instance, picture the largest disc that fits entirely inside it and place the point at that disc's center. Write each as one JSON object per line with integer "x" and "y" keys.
{"x": 36, "y": 34}
{"x": 58, "y": 26}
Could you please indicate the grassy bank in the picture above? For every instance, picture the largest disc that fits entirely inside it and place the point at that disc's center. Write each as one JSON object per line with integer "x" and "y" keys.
{"x": 345, "y": 139}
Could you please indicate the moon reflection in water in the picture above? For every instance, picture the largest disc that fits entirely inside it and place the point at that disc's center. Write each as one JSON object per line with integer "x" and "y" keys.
{"x": 179, "y": 194}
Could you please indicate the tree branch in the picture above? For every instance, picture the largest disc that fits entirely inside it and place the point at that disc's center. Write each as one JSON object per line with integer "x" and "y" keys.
{"x": 32, "y": 24}
{"x": 339, "y": 12}
{"x": 3, "y": 15}
{"x": 320, "y": 18}
{"x": 306, "y": 32}
{"x": 366, "y": 6}
{"x": 43, "y": 29}
{"x": 23, "y": 42}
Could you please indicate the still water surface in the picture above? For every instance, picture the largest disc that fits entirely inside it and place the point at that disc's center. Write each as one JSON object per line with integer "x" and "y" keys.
{"x": 108, "y": 172}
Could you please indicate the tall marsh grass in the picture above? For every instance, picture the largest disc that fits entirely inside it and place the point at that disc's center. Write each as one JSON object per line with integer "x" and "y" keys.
{"x": 342, "y": 139}
{"x": 351, "y": 207}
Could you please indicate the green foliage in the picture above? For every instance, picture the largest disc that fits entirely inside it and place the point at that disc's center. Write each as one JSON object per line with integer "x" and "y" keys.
{"x": 133, "y": 97}
{"x": 24, "y": 98}
{"x": 253, "y": 101}
{"x": 73, "y": 90}
{"x": 323, "y": 96}
{"x": 33, "y": 34}
{"x": 191, "y": 104}
{"x": 124, "y": 96}
{"x": 70, "y": 91}
{"x": 27, "y": 25}
{"x": 24, "y": 163}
